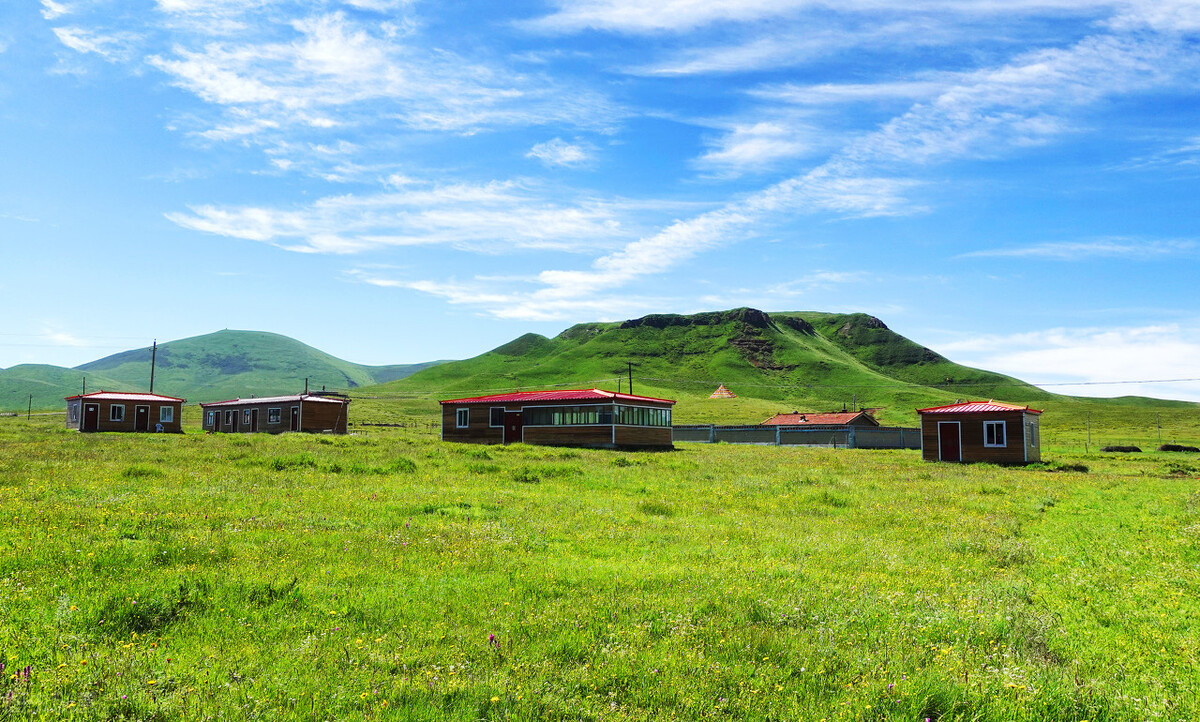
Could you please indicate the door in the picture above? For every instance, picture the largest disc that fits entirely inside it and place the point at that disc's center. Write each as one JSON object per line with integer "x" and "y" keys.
{"x": 141, "y": 418}
{"x": 254, "y": 419}
{"x": 295, "y": 418}
{"x": 91, "y": 417}
{"x": 949, "y": 441}
{"x": 514, "y": 424}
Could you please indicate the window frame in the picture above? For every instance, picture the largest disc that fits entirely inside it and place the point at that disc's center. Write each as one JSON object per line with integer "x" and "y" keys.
{"x": 492, "y": 422}
{"x": 212, "y": 415}
{"x": 1000, "y": 439}
{"x": 112, "y": 413}
{"x": 462, "y": 417}
{"x": 275, "y": 415}
{"x": 166, "y": 414}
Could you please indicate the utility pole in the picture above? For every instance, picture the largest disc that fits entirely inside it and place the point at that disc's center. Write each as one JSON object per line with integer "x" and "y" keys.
{"x": 1089, "y": 436}
{"x": 29, "y": 411}
{"x": 629, "y": 365}
{"x": 153, "y": 358}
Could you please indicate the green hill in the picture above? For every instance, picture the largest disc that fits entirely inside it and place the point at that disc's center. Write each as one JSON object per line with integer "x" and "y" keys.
{"x": 214, "y": 366}
{"x": 774, "y": 362}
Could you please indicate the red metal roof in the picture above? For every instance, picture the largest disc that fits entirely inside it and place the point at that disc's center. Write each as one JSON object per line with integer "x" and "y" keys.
{"x": 123, "y": 396}
{"x": 977, "y": 407}
{"x": 563, "y": 395}
{"x": 798, "y": 419}
{"x": 277, "y": 400}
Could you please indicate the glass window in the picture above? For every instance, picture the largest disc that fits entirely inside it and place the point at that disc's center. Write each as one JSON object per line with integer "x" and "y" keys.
{"x": 462, "y": 418}
{"x": 211, "y": 414}
{"x": 246, "y": 416}
{"x": 993, "y": 433}
{"x": 74, "y": 412}
{"x": 273, "y": 416}
{"x": 496, "y": 416}
{"x": 229, "y": 418}
{"x": 166, "y": 414}
{"x": 116, "y": 412}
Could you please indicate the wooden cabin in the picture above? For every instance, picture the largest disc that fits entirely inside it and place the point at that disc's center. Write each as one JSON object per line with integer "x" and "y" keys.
{"x": 124, "y": 411}
{"x": 841, "y": 418}
{"x": 584, "y": 417}
{"x": 314, "y": 413}
{"x": 981, "y": 431}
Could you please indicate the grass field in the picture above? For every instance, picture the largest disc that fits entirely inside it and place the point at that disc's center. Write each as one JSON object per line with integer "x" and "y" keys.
{"x": 387, "y": 575}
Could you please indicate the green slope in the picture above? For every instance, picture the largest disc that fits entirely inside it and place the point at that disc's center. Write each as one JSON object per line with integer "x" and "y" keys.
{"x": 774, "y": 362}
{"x": 214, "y": 366}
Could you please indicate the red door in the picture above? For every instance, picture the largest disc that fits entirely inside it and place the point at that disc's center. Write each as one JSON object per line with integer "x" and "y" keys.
{"x": 295, "y": 418}
{"x": 91, "y": 417}
{"x": 514, "y": 423}
{"x": 949, "y": 441}
{"x": 141, "y": 418}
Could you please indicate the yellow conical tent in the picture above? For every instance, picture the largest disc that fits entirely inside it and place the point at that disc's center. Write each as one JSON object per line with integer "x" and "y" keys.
{"x": 722, "y": 393}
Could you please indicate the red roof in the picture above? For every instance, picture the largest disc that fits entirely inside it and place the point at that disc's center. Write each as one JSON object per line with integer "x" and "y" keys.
{"x": 571, "y": 395}
{"x": 123, "y": 396}
{"x": 797, "y": 419}
{"x": 977, "y": 407}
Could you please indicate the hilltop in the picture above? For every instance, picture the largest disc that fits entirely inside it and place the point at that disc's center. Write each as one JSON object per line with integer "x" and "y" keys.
{"x": 213, "y": 366}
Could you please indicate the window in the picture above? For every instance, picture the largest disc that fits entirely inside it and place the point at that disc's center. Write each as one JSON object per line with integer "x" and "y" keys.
{"x": 211, "y": 416}
{"x": 116, "y": 412}
{"x": 496, "y": 414}
{"x": 73, "y": 412}
{"x": 229, "y": 418}
{"x": 993, "y": 433}
{"x": 246, "y": 417}
{"x": 462, "y": 418}
{"x": 166, "y": 414}
{"x": 273, "y": 416}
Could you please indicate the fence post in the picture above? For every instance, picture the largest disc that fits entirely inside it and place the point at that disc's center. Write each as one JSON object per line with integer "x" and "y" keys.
{"x": 712, "y": 433}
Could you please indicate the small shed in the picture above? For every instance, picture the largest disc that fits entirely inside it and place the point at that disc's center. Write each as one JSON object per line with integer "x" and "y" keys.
{"x": 990, "y": 430}
{"x": 124, "y": 411}
{"x": 315, "y": 413}
{"x": 580, "y": 417}
{"x": 843, "y": 418}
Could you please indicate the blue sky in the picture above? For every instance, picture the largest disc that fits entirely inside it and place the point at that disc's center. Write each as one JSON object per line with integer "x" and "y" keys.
{"x": 1012, "y": 183}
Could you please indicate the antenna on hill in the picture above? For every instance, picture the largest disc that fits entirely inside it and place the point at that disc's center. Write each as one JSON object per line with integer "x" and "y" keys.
{"x": 153, "y": 358}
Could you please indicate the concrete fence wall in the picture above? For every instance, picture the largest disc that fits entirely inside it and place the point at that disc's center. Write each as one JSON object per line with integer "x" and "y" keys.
{"x": 831, "y": 436}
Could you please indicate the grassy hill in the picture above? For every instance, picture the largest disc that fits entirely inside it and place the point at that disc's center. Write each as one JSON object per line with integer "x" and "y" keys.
{"x": 214, "y": 366}
{"x": 774, "y": 362}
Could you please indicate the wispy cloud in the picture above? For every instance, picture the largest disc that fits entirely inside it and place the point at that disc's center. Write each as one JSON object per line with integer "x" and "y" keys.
{"x": 1084, "y": 250}
{"x": 114, "y": 47}
{"x": 486, "y": 218}
{"x": 559, "y": 152}
{"x": 52, "y": 10}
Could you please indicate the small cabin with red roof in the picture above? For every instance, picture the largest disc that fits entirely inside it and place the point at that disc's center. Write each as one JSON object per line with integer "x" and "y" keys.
{"x": 123, "y": 411}
{"x": 991, "y": 431}
{"x": 842, "y": 418}
{"x": 581, "y": 417}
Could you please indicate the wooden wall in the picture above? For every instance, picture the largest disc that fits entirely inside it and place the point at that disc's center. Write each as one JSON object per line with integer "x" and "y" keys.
{"x": 175, "y": 426}
{"x": 315, "y": 417}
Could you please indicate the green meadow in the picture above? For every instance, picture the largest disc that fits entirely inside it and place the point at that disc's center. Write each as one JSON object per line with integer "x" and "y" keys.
{"x": 387, "y": 575}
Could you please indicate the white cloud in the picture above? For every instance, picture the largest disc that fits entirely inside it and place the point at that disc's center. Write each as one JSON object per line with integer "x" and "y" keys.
{"x": 114, "y": 48}
{"x": 757, "y": 146}
{"x": 1098, "y": 361}
{"x": 52, "y": 10}
{"x": 487, "y": 218}
{"x": 1101, "y": 248}
{"x": 560, "y": 152}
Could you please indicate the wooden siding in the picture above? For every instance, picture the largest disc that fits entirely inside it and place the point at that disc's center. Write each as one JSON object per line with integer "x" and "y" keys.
{"x": 315, "y": 417}
{"x": 657, "y": 436}
{"x": 478, "y": 430}
{"x": 971, "y": 427}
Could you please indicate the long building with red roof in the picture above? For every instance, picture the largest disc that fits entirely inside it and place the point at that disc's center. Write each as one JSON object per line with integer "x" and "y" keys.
{"x": 574, "y": 417}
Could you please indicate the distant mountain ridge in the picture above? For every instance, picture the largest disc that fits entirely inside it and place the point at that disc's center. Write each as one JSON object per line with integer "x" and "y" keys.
{"x": 214, "y": 366}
